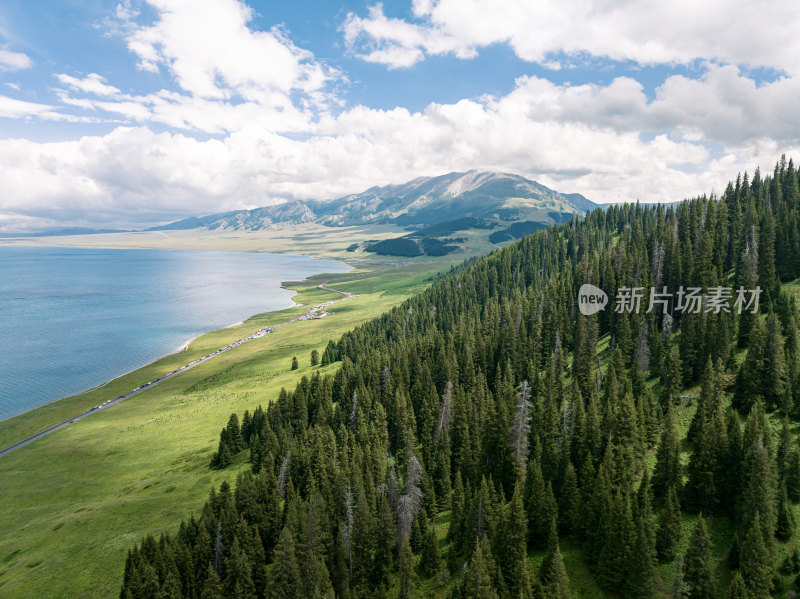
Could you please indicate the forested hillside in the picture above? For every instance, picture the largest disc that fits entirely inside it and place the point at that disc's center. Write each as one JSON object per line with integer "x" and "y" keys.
{"x": 476, "y": 431}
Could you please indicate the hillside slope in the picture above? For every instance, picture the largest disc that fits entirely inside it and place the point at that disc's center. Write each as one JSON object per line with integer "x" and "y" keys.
{"x": 486, "y": 439}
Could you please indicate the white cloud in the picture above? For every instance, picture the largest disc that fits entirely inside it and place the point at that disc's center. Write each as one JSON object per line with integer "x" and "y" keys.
{"x": 191, "y": 113}
{"x": 229, "y": 74}
{"x": 723, "y": 105}
{"x": 91, "y": 84}
{"x": 14, "y": 61}
{"x": 740, "y": 32}
{"x": 395, "y": 42}
{"x": 210, "y": 49}
{"x": 15, "y": 109}
{"x": 572, "y": 138}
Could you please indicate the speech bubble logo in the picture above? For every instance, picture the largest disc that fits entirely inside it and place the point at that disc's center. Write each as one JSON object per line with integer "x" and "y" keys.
{"x": 591, "y": 299}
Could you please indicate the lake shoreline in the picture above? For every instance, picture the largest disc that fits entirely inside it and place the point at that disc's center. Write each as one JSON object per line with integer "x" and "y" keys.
{"x": 183, "y": 348}
{"x": 51, "y": 404}
{"x": 312, "y": 313}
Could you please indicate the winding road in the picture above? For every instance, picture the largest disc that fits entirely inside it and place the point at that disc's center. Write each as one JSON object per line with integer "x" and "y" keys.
{"x": 312, "y": 313}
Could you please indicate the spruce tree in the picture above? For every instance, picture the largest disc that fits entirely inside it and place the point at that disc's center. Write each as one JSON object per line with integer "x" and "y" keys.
{"x": 552, "y": 543}
{"x": 539, "y": 503}
{"x": 782, "y": 458}
{"x": 455, "y": 534}
{"x": 618, "y": 539}
{"x": 766, "y": 253}
{"x": 699, "y": 576}
{"x": 793, "y": 476}
{"x": 759, "y": 494}
{"x": 171, "y": 589}
{"x": 514, "y": 543}
{"x": 639, "y": 581}
{"x": 441, "y": 470}
{"x": 667, "y": 472}
{"x": 554, "y": 578}
{"x": 362, "y": 540}
{"x": 285, "y": 575}
{"x": 235, "y": 439}
{"x": 384, "y": 545}
{"x": 774, "y": 377}
{"x": 785, "y": 521}
{"x": 669, "y": 528}
{"x": 478, "y": 583}
{"x": 212, "y": 588}
{"x": 749, "y": 387}
{"x": 705, "y": 401}
{"x": 755, "y": 561}
{"x": 225, "y": 458}
{"x": 569, "y": 502}
{"x": 707, "y": 463}
{"x": 738, "y": 590}
{"x": 431, "y": 559}
{"x": 673, "y": 382}
{"x": 238, "y": 574}
{"x": 406, "y": 570}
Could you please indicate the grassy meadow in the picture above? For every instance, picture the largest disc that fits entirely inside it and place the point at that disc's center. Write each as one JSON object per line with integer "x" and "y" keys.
{"x": 309, "y": 239}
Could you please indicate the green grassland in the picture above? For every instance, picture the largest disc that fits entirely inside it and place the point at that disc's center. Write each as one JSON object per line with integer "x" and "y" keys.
{"x": 309, "y": 239}
{"x": 76, "y": 500}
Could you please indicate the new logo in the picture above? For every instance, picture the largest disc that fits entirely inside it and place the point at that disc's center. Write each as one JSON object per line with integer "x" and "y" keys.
{"x": 591, "y": 299}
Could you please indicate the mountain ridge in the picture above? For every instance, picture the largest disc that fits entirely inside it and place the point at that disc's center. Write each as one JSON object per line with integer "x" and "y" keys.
{"x": 423, "y": 201}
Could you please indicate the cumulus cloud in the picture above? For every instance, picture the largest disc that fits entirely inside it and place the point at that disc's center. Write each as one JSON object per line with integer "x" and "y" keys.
{"x": 14, "y": 61}
{"x": 397, "y": 43}
{"x": 572, "y": 138}
{"x": 210, "y": 49}
{"x": 736, "y": 32}
{"x": 723, "y": 105}
{"x": 229, "y": 75}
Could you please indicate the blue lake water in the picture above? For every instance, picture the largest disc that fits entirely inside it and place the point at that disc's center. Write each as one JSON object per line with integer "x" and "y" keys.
{"x": 71, "y": 319}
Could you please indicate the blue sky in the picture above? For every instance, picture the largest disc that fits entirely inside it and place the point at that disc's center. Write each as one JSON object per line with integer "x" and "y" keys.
{"x": 137, "y": 112}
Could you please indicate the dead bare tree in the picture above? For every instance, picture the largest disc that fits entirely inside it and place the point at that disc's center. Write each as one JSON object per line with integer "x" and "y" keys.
{"x": 410, "y": 502}
{"x": 444, "y": 412}
{"x": 283, "y": 475}
{"x": 521, "y": 428}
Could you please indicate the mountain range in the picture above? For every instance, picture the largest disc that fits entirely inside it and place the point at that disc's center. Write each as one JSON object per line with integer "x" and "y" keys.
{"x": 498, "y": 197}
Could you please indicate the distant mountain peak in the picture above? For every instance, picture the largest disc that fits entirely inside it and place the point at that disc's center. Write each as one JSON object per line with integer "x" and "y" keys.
{"x": 504, "y": 197}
